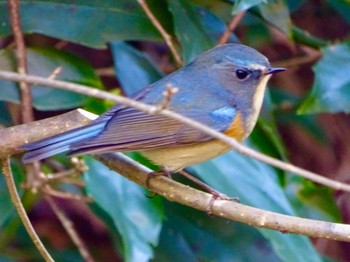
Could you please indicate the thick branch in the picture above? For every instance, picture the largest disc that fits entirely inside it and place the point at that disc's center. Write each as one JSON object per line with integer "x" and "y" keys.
{"x": 194, "y": 198}
{"x": 13, "y": 137}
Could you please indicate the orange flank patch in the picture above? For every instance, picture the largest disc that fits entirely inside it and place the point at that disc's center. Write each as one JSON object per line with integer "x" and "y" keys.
{"x": 236, "y": 129}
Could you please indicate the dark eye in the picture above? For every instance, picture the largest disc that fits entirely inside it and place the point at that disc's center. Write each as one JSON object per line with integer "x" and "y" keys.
{"x": 242, "y": 73}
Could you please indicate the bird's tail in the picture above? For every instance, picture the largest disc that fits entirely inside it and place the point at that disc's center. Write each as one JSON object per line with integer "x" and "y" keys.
{"x": 59, "y": 143}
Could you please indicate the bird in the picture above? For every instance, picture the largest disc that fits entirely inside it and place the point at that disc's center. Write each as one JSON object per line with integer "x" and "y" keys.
{"x": 222, "y": 88}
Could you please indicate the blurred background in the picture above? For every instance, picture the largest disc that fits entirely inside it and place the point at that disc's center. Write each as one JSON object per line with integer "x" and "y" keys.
{"x": 113, "y": 46}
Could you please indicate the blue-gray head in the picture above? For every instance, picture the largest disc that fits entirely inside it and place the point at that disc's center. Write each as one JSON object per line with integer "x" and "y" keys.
{"x": 243, "y": 73}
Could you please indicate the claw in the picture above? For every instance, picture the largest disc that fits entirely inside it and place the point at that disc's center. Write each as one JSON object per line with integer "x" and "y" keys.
{"x": 218, "y": 196}
{"x": 162, "y": 172}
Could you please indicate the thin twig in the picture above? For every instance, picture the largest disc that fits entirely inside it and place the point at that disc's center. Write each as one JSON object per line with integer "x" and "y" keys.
{"x": 73, "y": 181}
{"x": 6, "y": 168}
{"x": 55, "y": 72}
{"x": 62, "y": 174}
{"x": 61, "y": 44}
{"x": 168, "y": 95}
{"x": 27, "y": 115}
{"x": 310, "y": 56}
{"x": 165, "y": 35}
{"x": 25, "y": 92}
{"x": 65, "y": 195}
{"x": 232, "y": 26}
{"x": 34, "y": 178}
{"x": 210, "y": 131}
{"x": 79, "y": 168}
{"x": 105, "y": 72}
{"x": 69, "y": 227}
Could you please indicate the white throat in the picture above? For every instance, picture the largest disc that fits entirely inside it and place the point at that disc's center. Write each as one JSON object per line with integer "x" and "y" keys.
{"x": 256, "y": 107}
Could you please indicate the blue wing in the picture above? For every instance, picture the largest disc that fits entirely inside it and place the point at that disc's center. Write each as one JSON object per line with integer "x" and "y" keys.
{"x": 132, "y": 130}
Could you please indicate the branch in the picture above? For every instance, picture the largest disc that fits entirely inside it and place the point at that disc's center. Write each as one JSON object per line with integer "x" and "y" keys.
{"x": 310, "y": 56}
{"x": 6, "y": 168}
{"x": 13, "y": 137}
{"x": 25, "y": 92}
{"x": 49, "y": 191}
{"x": 232, "y": 26}
{"x": 232, "y": 210}
{"x": 151, "y": 108}
{"x": 165, "y": 35}
{"x": 168, "y": 95}
{"x": 69, "y": 227}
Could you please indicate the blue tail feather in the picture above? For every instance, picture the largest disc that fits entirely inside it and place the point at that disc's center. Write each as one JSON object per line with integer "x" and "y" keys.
{"x": 59, "y": 143}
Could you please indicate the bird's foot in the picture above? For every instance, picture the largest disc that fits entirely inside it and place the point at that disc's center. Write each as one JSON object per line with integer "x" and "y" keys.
{"x": 216, "y": 195}
{"x": 162, "y": 172}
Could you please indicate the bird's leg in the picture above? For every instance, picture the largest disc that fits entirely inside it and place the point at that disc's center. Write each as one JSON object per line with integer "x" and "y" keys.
{"x": 215, "y": 194}
{"x": 203, "y": 185}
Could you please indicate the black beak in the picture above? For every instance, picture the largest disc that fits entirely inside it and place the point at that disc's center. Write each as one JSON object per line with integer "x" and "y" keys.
{"x": 274, "y": 70}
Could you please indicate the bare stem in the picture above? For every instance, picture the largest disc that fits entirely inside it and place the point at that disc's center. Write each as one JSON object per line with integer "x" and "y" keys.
{"x": 165, "y": 35}
{"x": 168, "y": 95}
{"x": 69, "y": 227}
{"x": 65, "y": 195}
{"x": 232, "y": 26}
{"x": 25, "y": 92}
{"x": 6, "y": 168}
{"x": 310, "y": 56}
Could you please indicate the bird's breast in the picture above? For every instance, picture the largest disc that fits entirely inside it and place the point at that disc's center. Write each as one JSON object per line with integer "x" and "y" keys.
{"x": 237, "y": 129}
{"x": 177, "y": 158}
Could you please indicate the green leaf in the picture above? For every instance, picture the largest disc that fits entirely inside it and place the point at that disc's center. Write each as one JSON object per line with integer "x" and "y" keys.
{"x": 256, "y": 184}
{"x": 309, "y": 123}
{"x": 265, "y": 135}
{"x": 189, "y": 29}
{"x": 204, "y": 238}
{"x": 243, "y": 5}
{"x": 90, "y": 22}
{"x": 294, "y": 5}
{"x": 277, "y": 13}
{"x": 133, "y": 68}
{"x": 330, "y": 91}
{"x": 305, "y": 38}
{"x": 173, "y": 245}
{"x": 6, "y": 206}
{"x": 42, "y": 62}
{"x": 135, "y": 216}
{"x": 213, "y": 25}
{"x": 342, "y": 6}
{"x": 5, "y": 117}
{"x": 318, "y": 202}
